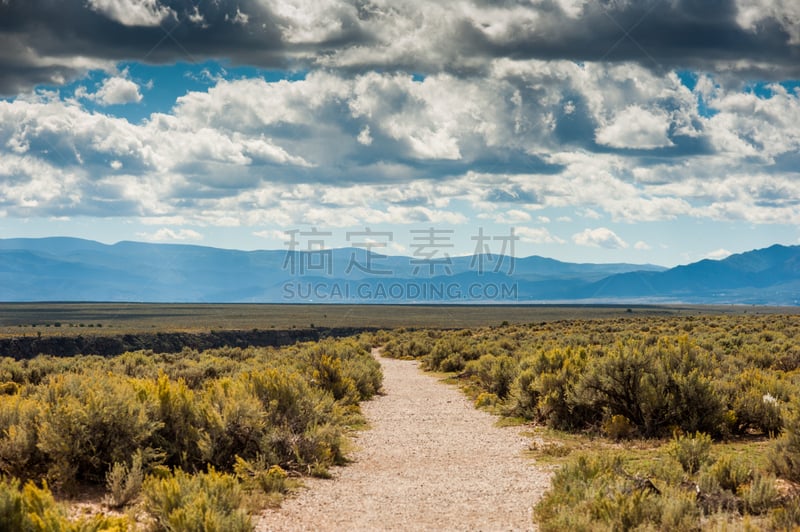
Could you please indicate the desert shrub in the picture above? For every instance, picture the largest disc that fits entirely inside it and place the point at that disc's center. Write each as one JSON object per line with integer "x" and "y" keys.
{"x": 755, "y": 399}
{"x": 327, "y": 374}
{"x": 180, "y": 419}
{"x": 787, "y": 516}
{"x": 89, "y": 422}
{"x": 595, "y": 493}
{"x": 784, "y": 456}
{"x": 29, "y": 508}
{"x": 287, "y": 398}
{"x": 92, "y": 420}
{"x": 345, "y": 368}
{"x": 124, "y": 482}
{"x": 493, "y": 373}
{"x": 572, "y": 485}
{"x": 619, "y": 428}
{"x": 760, "y": 495}
{"x": 269, "y": 479}
{"x": 524, "y": 394}
{"x": 302, "y": 421}
{"x": 137, "y": 364}
{"x": 234, "y": 423}
{"x": 679, "y": 510}
{"x": 409, "y": 345}
{"x": 691, "y": 451}
{"x": 9, "y": 388}
{"x": 544, "y": 389}
{"x": 625, "y": 509}
{"x": 199, "y": 502}
{"x": 450, "y": 353}
{"x": 486, "y": 400}
{"x": 729, "y": 473}
{"x": 20, "y": 455}
{"x": 359, "y": 365}
{"x": 655, "y": 387}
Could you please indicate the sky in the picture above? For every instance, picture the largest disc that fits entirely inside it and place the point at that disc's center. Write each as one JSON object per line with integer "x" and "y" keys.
{"x": 644, "y": 131}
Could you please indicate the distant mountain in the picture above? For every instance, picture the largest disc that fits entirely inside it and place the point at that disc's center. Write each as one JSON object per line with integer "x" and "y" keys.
{"x": 69, "y": 269}
{"x": 763, "y": 276}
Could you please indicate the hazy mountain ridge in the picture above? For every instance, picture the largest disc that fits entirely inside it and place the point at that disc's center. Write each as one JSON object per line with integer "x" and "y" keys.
{"x": 69, "y": 269}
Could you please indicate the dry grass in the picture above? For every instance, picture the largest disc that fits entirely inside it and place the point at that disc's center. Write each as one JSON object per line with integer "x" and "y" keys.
{"x": 57, "y": 319}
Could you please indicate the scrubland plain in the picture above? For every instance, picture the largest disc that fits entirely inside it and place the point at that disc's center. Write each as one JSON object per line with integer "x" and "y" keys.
{"x": 658, "y": 418}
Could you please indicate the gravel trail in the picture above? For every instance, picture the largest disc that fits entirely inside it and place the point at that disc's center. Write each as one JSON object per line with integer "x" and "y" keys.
{"x": 430, "y": 461}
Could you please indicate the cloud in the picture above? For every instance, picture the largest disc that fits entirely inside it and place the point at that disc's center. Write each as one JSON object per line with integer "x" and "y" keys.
{"x": 738, "y": 38}
{"x": 117, "y": 91}
{"x": 239, "y": 18}
{"x": 537, "y": 235}
{"x": 751, "y": 14}
{"x": 718, "y": 254}
{"x": 599, "y": 237}
{"x": 272, "y": 234}
{"x": 642, "y": 246}
{"x": 132, "y": 12}
{"x": 254, "y": 152}
{"x": 512, "y": 216}
{"x": 636, "y": 128}
{"x": 166, "y": 234}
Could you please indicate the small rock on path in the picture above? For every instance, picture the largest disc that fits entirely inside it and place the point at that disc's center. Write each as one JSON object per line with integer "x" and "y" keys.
{"x": 430, "y": 461}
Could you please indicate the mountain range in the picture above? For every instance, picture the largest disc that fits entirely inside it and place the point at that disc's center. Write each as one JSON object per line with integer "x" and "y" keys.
{"x": 70, "y": 269}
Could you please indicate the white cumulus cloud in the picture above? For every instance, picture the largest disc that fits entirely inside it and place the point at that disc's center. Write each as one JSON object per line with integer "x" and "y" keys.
{"x": 637, "y": 128}
{"x": 718, "y": 254}
{"x": 165, "y": 234}
{"x": 117, "y": 91}
{"x": 537, "y": 235}
{"x": 599, "y": 237}
{"x": 132, "y": 12}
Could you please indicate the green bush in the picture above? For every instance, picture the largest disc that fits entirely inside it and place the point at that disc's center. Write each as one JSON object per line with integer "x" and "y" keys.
{"x": 33, "y": 509}
{"x": 760, "y": 495}
{"x": 85, "y": 428}
{"x": 409, "y": 345}
{"x": 20, "y": 455}
{"x": 124, "y": 482}
{"x": 729, "y": 473}
{"x": 595, "y": 493}
{"x": 180, "y": 416}
{"x": 545, "y": 389}
{"x": 787, "y": 516}
{"x": 619, "y": 428}
{"x": 494, "y": 373}
{"x": 269, "y": 479}
{"x": 691, "y": 451}
{"x": 92, "y": 420}
{"x": 486, "y": 400}
{"x": 784, "y": 455}
{"x": 234, "y": 422}
{"x": 657, "y": 388}
{"x": 449, "y": 353}
{"x": 201, "y": 502}
{"x": 756, "y": 398}
{"x": 345, "y": 368}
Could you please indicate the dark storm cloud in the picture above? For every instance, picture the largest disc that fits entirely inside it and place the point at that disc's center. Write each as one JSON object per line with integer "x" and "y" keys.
{"x": 658, "y": 34}
{"x": 42, "y": 43}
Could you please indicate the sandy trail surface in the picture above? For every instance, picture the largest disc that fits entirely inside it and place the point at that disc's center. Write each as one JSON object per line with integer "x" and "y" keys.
{"x": 430, "y": 461}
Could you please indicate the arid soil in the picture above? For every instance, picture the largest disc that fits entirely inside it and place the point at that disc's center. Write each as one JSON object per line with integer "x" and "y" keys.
{"x": 430, "y": 461}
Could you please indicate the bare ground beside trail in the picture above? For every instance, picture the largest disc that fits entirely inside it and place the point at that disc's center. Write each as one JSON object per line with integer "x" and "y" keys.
{"x": 430, "y": 461}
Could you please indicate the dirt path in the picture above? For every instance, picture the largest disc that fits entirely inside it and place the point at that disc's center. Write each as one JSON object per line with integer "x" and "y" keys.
{"x": 429, "y": 462}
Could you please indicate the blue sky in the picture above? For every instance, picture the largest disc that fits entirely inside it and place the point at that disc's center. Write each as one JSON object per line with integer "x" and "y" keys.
{"x": 647, "y": 132}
